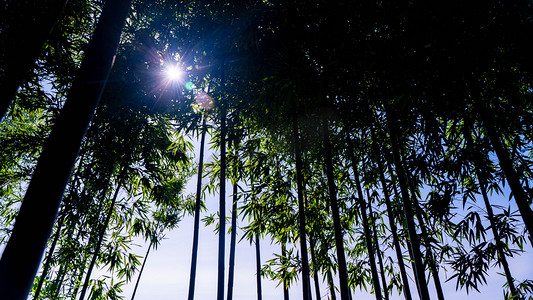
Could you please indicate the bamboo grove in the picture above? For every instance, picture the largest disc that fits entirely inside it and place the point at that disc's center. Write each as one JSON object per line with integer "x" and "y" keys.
{"x": 379, "y": 145}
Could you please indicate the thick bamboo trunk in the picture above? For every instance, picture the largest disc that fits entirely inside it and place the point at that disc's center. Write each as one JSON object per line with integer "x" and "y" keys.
{"x": 33, "y": 226}
{"x": 196, "y": 230}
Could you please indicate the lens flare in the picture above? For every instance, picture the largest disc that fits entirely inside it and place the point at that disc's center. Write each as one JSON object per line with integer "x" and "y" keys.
{"x": 204, "y": 100}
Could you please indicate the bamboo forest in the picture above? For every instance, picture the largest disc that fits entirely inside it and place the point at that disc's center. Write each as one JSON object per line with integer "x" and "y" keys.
{"x": 358, "y": 149}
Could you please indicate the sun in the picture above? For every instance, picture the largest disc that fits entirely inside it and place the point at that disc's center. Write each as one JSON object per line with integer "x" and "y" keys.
{"x": 174, "y": 73}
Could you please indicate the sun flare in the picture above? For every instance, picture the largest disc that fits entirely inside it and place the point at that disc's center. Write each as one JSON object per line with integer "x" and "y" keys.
{"x": 174, "y": 73}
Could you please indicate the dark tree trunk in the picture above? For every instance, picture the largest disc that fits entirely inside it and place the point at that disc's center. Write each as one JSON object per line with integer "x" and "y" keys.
{"x": 61, "y": 273}
{"x": 501, "y": 254}
{"x": 222, "y": 201}
{"x": 301, "y": 210}
{"x": 511, "y": 176}
{"x": 233, "y": 239}
{"x": 430, "y": 259}
{"x": 366, "y": 224}
{"x": 339, "y": 239}
{"x": 46, "y": 266}
{"x": 313, "y": 260}
{"x": 370, "y": 247}
{"x": 93, "y": 238}
{"x": 331, "y": 285}
{"x": 58, "y": 282}
{"x": 60, "y": 223}
{"x": 404, "y": 225}
{"x": 30, "y": 25}
{"x": 407, "y": 206}
{"x": 285, "y": 285}
{"x": 141, "y": 271}
{"x": 194, "y": 259}
{"x": 392, "y": 223}
{"x": 79, "y": 276}
{"x": 101, "y": 236}
{"x": 257, "y": 217}
{"x": 33, "y": 226}
{"x": 258, "y": 266}
{"x": 315, "y": 267}
{"x": 378, "y": 252}
{"x": 490, "y": 213}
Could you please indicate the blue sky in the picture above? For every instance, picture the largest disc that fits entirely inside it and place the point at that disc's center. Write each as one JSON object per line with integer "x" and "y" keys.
{"x": 167, "y": 271}
{"x": 166, "y": 274}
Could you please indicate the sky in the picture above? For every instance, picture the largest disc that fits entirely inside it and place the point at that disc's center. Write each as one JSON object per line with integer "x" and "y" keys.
{"x": 166, "y": 274}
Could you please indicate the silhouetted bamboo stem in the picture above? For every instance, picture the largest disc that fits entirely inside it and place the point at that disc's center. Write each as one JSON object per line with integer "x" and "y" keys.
{"x": 102, "y": 235}
{"x": 392, "y": 223}
{"x": 141, "y": 271}
{"x": 366, "y": 224}
{"x": 222, "y": 199}
{"x": 258, "y": 266}
{"x": 501, "y": 255}
{"x": 285, "y": 285}
{"x": 35, "y": 220}
{"x": 430, "y": 260}
{"x": 233, "y": 238}
{"x": 331, "y": 285}
{"x": 301, "y": 210}
{"x": 511, "y": 175}
{"x": 409, "y": 248}
{"x": 490, "y": 213}
{"x": 24, "y": 40}
{"x": 332, "y": 191}
{"x": 46, "y": 266}
{"x": 376, "y": 242}
{"x": 85, "y": 256}
{"x": 315, "y": 266}
{"x": 407, "y": 205}
{"x": 196, "y": 228}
